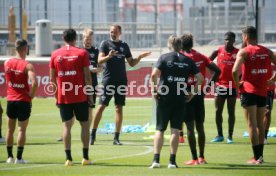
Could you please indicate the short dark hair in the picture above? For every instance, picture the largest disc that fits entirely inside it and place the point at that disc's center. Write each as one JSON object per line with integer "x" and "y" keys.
{"x": 20, "y": 43}
{"x": 117, "y": 26}
{"x": 187, "y": 41}
{"x": 230, "y": 34}
{"x": 250, "y": 31}
{"x": 69, "y": 35}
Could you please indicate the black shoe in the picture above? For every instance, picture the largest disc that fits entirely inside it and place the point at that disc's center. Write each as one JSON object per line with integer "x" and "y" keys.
{"x": 92, "y": 140}
{"x": 117, "y": 142}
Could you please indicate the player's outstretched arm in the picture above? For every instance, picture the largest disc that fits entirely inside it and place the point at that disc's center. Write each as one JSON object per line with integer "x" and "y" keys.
{"x": 132, "y": 62}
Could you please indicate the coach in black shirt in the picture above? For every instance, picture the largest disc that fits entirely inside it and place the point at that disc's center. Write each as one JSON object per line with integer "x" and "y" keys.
{"x": 113, "y": 53}
{"x": 171, "y": 96}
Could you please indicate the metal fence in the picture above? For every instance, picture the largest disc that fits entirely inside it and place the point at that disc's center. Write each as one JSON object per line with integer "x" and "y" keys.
{"x": 207, "y": 22}
{"x": 138, "y": 35}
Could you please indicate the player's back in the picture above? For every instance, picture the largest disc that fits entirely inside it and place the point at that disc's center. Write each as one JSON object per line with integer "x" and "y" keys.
{"x": 69, "y": 62}
{"x": 256, "y": 69}
{"x": 17, "y": 80}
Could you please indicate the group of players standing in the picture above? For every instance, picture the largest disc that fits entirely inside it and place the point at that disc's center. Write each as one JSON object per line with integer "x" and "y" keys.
{"x": 182, "y": 64}
{"x": 256, "y": 86}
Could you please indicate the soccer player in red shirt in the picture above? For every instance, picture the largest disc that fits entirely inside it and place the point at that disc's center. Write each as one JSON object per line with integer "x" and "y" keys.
{"x": 226, "y": 89}
{"x": 255, "y": 61}
{"x": 69, "y": 73}
{"x": 19, "y": 96}
{"x": 195, "y": 110}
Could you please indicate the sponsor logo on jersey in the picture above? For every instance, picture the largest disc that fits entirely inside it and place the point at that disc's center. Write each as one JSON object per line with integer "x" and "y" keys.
{"x": 67, "y": 73}
{"x": 92, "y": 55}
{"x": 180, "y": 65}
{"x": 175, "y": 79}
{"x": 15, "y": 85}
{"x": 170, "y": 79}
{"x": 259, "y": 71}
{"x": 60, "y": 73}
{"x": 169, "y": 64}
{"x": 121, "y": 49}
{"x": 59, "y": 58}
{"x": 252, "y": 57}
{"x": 16, "y": 72}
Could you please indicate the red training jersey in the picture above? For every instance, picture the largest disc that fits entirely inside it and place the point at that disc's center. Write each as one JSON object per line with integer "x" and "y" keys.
{"x": 255, "y": 70}
{"x": 201, "y": 62}
{"x": 225, "y": 61}
{"x": 17, "y": 80}
{"x": 68, "y": 63}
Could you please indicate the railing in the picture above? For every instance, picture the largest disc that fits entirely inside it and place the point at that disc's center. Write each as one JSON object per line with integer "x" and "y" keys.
{"x": 140, "y": 36}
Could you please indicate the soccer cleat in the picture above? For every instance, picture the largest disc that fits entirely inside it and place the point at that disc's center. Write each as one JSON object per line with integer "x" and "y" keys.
{"x": 10, "y": 160}
{"x": 68, "y": 163}
{"x": 172, "y": 166}
{"x": 230, "y": 141}
{"x": 218, "y": 139}
{"x": 265, "y": 141}
{"x": 254, "y": 161}
{"x": 261, "y": 160}
{"x": 154, "y": 165}
{"x": 181, "y": 139}
{"x": 86, "y": 162}
{"x": 117, "y": 142}
{"x": 20, "y": 161}
{"x": 202, "y": 160}
{"x": 192, "y": 162}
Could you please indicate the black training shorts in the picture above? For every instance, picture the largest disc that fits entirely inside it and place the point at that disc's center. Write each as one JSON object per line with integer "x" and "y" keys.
{"x": 195, "y": 110}
{"x": 249, "y": 99}
{"x": 80, "y": 110}
{"x": 171, "y": 110}
{"x": 116, "y": 90}
{"x": 20, "y": 110}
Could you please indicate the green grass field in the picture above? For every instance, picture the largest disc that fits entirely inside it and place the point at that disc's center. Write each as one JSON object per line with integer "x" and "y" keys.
{"x": 46, "y": 156}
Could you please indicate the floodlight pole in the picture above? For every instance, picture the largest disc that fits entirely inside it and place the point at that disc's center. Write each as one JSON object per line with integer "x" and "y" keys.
{"x": 175, "y": 16}
{"x": 45, "y": 9}
{"x": 257, "y": 18}
{"x": 70, "y": 12}
{"x": 20, "y": 19}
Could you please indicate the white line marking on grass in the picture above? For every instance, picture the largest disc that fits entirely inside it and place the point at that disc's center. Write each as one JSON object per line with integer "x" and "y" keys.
{"x": 149, "y": 150}
{"x": 27, "y": 167}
